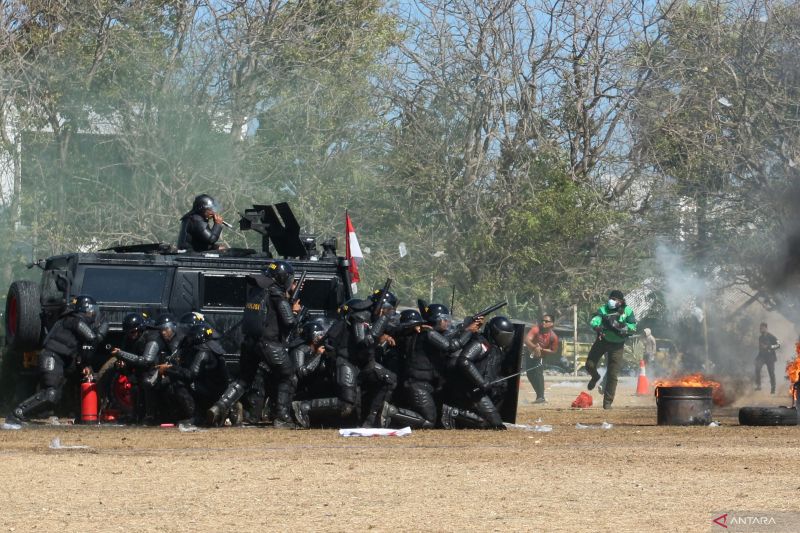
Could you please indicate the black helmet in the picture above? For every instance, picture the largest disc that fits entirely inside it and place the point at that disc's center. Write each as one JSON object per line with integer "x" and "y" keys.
{"x": 282, "y": 272}
{"x": 203, "y": 202}
{"x": 191, "y": 318}
{"x": 199, "y": 333}
{"x": 313, "y": 331}
{"x": 85, "y": 306}
{"x": 500, "y": 331}
{"x": 410, "y": 318}
{"x": 344, "y": 309}
{"x": 435, "y": 312}
{"x": 165, "y": 322}
{"x": 389, "y": 302}
{"x": 134, "y": 322}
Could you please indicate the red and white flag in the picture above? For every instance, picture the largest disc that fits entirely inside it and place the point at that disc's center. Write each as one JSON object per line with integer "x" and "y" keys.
{"x": 352, "y": 251}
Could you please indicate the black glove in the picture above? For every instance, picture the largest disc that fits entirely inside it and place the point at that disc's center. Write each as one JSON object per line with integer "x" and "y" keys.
{"x": 101, "y": 330}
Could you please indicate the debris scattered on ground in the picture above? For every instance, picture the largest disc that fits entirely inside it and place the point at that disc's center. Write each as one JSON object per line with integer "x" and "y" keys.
{"x": 604, "y": 425}
{"x": 55, "y": 444}
{"x": 576, "y": 384}
{"x": 9, "y": 425}
{"x": 541, "y": 428}
{"x": 583, "y": 401}
{"x": 714, "y": 424}
{"x": 375, "y": 432}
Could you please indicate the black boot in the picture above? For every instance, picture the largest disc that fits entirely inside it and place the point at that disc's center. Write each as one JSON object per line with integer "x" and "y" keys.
{"x": 300, "y": 411}
{"x": 35, "y": 403}
{"x": 399, "y": 416}
{"x": 216, "y": 413}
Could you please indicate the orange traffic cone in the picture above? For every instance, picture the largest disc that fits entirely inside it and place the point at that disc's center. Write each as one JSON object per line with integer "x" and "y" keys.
{"x": 642, "y": 386}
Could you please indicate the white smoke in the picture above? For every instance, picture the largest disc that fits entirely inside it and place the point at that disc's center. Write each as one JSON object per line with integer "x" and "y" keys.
{"x": 683, "y": 290}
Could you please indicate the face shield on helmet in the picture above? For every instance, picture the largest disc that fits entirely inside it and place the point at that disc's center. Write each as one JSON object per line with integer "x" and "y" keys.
{"x": 86, "y": 307}
{"x": 134, "y": 324}
{"x": 192, "y": 318}
{"x": 438, "y": 316}
{"x": 313, "y": 331}
{"x": 199, "y": 333}
{"x": 500, "y": 331}
{"x": 389, "y": 302}
{"x": 282, "y": 272}
{"x": 203, "y": 202}
{"x": 166, "y": 325}
{"x": 410, "y": 318}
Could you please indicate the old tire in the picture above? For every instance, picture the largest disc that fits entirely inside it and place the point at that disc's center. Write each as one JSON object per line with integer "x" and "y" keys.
{"x": 23, "y": 316}
{"x": 768, "y": 416}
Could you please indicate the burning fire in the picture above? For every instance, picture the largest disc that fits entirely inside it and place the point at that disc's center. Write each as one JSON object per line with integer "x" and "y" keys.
{"x": 696, "y": 380}
{"x": 793, "y": 371}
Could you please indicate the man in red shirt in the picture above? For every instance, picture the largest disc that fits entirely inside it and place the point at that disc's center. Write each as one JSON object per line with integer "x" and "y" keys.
{"x": 541, "y": 341}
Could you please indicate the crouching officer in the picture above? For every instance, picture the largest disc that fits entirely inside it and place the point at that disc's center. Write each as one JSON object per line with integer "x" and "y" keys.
{"x": 417, "y": 407}
{"x": 269, "y": 318}
{"x": 126, "y": 364}
{"x": 344, "y": 403}
{"x": 477, "y": 366}
{"x": 61, "y": 353}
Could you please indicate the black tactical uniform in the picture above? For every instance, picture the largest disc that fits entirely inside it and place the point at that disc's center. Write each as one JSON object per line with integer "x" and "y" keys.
{"x": 67, "y": 343}
{"x": 353, "y": 338}
{"x": 200, "y": 375}
{"x": 310, "y": 360}
{"x": 441, "y": 344}
{"x": 420, "y": 378}
{"x": 128, "y": 361}
{"x": 478, "y": 365}
{"x": 268, "y": 320}
{"x": 376, "y": 381}
{"x": 195, "y": 234}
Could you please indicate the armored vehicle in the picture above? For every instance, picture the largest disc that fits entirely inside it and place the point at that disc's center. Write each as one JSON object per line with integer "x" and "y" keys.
{"x": 156, "y": 278}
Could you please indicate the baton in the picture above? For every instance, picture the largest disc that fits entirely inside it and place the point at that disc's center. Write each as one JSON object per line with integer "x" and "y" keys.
{"x": 503, "y": 379}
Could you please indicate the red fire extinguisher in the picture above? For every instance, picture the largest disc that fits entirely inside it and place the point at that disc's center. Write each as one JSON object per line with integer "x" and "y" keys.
{"x": 89, "y": 401}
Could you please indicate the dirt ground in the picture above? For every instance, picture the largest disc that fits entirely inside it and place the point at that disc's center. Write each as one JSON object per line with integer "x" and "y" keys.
{"x": 635, "y": 476}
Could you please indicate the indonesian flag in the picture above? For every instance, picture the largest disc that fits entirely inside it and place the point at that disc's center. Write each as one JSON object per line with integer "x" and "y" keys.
{"x": 353, "y": 251}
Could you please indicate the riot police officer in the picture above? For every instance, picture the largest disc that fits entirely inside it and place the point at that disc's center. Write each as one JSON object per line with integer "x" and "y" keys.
{"x": 478, "y": 367}
{"x": 417, "y": 407}
{"x": 198, "y": 377}
{"x": 195, "y": 234}
{"x": 344, "y": 402}
{"x": 75, "y": 331}
{"x": 268, "y": 319}
{"x": 125, "y": 367}
{"x": 309, "y": 358}
{"x": 442, "y": 343}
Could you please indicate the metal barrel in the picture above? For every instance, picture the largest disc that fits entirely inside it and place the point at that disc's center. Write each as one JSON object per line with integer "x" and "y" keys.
{"x": 684, "y": 406}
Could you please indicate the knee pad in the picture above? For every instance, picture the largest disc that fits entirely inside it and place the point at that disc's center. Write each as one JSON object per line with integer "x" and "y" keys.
{"x": 345, "y": 409}
{"x": 52, "y": 394}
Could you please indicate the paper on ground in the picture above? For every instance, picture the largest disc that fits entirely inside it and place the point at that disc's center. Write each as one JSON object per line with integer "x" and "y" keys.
{"x": 374, "y": 432}
{"x": 541, "y": 428}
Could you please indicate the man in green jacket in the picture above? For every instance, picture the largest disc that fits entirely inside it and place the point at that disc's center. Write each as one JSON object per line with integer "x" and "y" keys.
{"x": 614, "y": 322}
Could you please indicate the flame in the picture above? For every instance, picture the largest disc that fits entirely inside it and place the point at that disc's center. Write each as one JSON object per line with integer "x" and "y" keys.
{"x": 793, "y": 371}
{"x": 696, "y": 380}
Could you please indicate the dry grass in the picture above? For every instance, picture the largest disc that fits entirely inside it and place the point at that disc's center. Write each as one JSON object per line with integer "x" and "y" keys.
{"x": 633, "y": 477}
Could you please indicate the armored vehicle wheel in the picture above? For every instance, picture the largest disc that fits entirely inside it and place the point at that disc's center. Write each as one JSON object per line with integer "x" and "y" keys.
{"x": 23, "y": 315}
{"x": 768, "y": 416}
